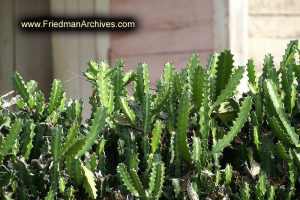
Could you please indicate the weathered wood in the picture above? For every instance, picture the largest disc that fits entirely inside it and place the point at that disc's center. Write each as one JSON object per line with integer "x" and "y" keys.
{"x": 274, "y": 7}
{"x": 87, "y": 51}
{"x": 179, "y": 38}
{"x": 59, "y": 48}
{"x": 102, "y": 7}
{"x": 170, "y": 12}
{"x": 72, "y": 51}
{"x": 33, "y": 50}
{"x": 274, "y": 26}
{"x": 6, "y": 45}
{"x": 164, "y": 26}
{"x": 66, "y": 50}
{"x": 168, "y": 30}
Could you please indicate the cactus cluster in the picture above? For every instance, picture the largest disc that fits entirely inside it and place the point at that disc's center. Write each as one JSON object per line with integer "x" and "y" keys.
{"x": 193, "y": 137}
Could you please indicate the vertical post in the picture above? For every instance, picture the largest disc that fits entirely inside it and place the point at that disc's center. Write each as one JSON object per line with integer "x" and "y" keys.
{"x": 27, "y": 53}
{"x": 231, "y": 31}
{"x": 102, "y": 7}
{"x": 238, "y": 30}
{"x": 72, "y": 51}
{"x": 33, "y": 52}
{"x": 6, "y": 45}
{"x": 231, "y": 28}
{"x": 221, "y": 25}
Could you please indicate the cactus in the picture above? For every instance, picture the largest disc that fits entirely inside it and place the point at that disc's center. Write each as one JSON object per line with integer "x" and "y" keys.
{"x": 190, "y": 137}
{"x": 261, "y": 187}
{"x": 127, "y": 110}
{"x": 237, "y": 125}
{"x": 224, "y": 70}
{"x": 246, "y": 192}
{"x": 26, "y": 138}
{"x": 97, "y": 126}
{"x": 196, "y": 80}
{"x": 11, "y": 138}
{"x": 56, "y": 96}
{"x": 182, "y": 125}
{"x": 134, "y": 185}
{"x": 89, "y": 182}
{"x": 271, "y": 93}
{"x": 20, "y": 86}
{"x": 156, "y": 135}
{"x": 228, "y": 173}
{"x": 229, "y": 88}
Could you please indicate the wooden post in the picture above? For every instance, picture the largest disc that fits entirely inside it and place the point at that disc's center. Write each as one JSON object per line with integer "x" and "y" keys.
{"x": 231, "y": 28}
{"x": 231, "y": 31}
{"x": 6, "y": 45}
{"x": 33, "y": 52}
{"x": 27, "y": 53}
{"x": 72, "y": 51}
{"x": 221, "y": 25}
{"x": 238, "y": 30}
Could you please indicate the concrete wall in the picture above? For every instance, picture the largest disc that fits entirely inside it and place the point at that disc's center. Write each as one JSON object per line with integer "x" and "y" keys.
{"x": 272, "y": 24}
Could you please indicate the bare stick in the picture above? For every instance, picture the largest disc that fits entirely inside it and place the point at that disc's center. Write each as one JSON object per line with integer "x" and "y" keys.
{"x": 7, "y": 94}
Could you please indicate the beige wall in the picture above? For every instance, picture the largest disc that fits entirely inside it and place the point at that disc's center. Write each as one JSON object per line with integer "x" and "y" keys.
{"x": 272, "y": 24}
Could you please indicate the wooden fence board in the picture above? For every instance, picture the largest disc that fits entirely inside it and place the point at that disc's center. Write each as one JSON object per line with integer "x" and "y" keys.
{"x": 33, "y": 50}
{"x": 6, "y": 45}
